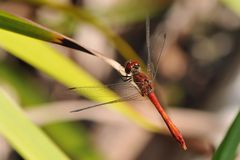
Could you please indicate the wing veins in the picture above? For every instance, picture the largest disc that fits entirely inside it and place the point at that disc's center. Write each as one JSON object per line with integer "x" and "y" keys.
{"x": 127, "y": 98}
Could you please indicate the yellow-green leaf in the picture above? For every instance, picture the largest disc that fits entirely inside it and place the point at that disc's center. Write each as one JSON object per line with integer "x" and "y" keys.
{"x": 23, "y": 135}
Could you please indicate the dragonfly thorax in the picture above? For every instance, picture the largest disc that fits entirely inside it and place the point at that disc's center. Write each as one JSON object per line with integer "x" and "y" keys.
{"x": 132, "y": 67}
{"x": 143, "y": 83}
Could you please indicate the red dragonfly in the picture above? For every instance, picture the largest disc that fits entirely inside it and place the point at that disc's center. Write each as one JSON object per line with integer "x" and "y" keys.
{"x": 130, "y": 73}
{"x": 143, "y": 83}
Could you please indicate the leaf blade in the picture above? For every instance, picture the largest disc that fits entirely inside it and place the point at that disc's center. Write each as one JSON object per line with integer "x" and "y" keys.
{"x": 26, "y": 138}
{"x": 228, "y": 147}
{"x": 34, "y": 30}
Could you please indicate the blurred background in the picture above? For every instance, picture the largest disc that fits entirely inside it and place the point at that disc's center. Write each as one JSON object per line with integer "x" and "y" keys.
{"x": 198, "y": 77}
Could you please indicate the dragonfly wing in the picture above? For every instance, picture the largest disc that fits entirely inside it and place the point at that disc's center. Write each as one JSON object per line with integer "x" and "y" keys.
{"x": 151, "y": 70}
{"x": 111, "y": 86}
{"x": 123, "y": 89}
{"x": 132, "y": 97}
{"x": 158, "y": 43}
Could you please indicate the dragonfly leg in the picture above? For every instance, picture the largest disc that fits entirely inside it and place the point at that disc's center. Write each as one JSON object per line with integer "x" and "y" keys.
{"x": 126, "y": 78}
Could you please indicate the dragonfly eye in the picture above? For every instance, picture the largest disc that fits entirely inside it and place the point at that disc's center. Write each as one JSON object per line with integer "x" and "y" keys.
{"x": 131, "y": 66}
{"x": 128, "y": 68}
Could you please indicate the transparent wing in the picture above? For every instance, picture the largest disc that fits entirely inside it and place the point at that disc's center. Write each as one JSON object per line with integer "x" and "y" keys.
{"x": 158, "y": 42}
{"x": 151, "y": 71}
{"x": 132, "y": 97}
{"x": 110, "y": 86}
{"x": 123, "y": 89}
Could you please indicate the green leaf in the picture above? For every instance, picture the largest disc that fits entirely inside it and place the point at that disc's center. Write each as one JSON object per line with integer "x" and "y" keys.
{"x": 23, "y": 26}
{"x": 31, "y": 29}
{"x": 47, "y": 60}
{"x": 23, "y": 135}
{"x": 228, "y": 147}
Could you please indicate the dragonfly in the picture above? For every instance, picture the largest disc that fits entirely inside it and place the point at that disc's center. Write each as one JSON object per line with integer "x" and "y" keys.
{"x": 131, "y": 72}
{"x": 143, "y": 82}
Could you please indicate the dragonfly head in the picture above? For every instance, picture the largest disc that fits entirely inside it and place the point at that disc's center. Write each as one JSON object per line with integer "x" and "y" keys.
{"x": 132, "y": 66}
